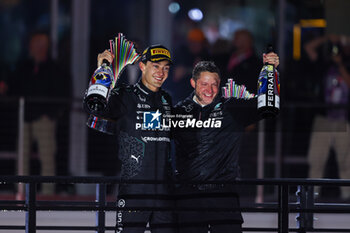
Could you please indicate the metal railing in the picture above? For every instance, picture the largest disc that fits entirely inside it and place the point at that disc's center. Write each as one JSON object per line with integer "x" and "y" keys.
{"x": 305, "y": 204}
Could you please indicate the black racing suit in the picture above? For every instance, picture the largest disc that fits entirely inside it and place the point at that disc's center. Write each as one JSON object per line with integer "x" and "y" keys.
{"x": 144, "y": 151}
{"x": 207, "y": 149}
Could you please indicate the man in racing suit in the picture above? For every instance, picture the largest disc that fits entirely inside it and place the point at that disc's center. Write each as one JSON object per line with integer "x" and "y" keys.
{"x": 207, "y": 148}
{"x": 139, "y": 112}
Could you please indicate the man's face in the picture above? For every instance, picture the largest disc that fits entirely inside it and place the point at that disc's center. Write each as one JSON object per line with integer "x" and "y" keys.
{"x": 154, "y": 74}
{"x": 39, "y": 47}
{"x": 206, "y": 87}
{"x": 242, "y": 41}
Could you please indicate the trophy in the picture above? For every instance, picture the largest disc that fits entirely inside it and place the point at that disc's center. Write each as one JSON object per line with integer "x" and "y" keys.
{"x": 233, "y": 90}
{"x": 104, "y": 79}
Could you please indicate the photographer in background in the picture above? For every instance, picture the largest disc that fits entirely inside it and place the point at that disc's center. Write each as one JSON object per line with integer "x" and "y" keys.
{"x": 330, "y": 60}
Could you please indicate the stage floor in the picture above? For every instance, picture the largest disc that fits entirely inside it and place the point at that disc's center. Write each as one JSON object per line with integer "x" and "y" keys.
{"x": 73, "y": 218}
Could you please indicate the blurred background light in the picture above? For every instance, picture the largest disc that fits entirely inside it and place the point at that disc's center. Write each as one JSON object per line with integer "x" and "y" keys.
{"x": 174, "y": 7}
{"x": 195, "y": 14}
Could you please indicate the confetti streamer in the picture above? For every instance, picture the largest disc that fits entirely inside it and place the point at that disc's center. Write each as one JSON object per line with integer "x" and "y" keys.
{"x": 124, "y": 54}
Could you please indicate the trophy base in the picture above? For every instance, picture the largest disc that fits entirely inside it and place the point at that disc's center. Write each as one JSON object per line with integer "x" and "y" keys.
{"x": 101, "y": 125}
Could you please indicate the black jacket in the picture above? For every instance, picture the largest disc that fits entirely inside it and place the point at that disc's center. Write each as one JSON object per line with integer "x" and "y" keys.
{"x": 144, "y": 151}
{"x": 43, "y": 86}
{"x": 211, "y": 153}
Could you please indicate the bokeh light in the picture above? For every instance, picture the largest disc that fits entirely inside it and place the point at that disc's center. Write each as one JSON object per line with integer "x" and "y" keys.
{"x": 174, "y": 7}
{"x": 195, "y": 14}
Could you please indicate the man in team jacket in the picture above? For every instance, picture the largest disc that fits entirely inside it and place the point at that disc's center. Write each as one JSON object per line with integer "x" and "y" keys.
{"x": 207, "y": 149}
{"x": 144, "y": 143}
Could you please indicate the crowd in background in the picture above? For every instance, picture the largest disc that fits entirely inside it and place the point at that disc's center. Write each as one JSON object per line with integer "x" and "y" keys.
{"x": 322, "y": 74}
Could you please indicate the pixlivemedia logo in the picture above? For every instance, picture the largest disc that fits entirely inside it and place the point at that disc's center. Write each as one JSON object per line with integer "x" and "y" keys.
{"x": 151, "y": 120}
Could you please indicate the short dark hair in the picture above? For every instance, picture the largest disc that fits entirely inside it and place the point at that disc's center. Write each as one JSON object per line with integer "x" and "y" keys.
{"x": 204, "y": 66}
{"x": 38, "y": 32}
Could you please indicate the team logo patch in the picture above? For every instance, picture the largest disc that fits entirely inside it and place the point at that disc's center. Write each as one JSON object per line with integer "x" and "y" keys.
{"x": 164, "y": 100}
{"x": 217, "y": 106}
{"x": 188, "y": 108}
{"x": 160, "y": 51}
{"x": 151, "y": 120}
{"x": 121, "y": 203}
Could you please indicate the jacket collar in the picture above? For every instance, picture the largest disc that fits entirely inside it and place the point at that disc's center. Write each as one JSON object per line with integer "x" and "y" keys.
{"x": 189, "y": 99}
{"x": 143, "y": 89}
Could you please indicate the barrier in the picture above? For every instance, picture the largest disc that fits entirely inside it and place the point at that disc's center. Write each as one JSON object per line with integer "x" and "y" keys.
{"x": 305, "y": 205}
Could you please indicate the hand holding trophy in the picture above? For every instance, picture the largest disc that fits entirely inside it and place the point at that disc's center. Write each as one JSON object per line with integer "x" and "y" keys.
{"x": 105, "y": 78}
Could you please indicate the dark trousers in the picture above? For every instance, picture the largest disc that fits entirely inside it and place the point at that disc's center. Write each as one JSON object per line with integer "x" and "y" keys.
{"x": 213, "y": 209}
{"x": 135, "y": 221}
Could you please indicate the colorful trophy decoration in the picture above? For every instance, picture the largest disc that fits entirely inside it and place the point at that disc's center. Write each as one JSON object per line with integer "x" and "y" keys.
{"x": 268, "y": 96}
{"x": 105, "y": 79}
{"x": 232, "y": 90}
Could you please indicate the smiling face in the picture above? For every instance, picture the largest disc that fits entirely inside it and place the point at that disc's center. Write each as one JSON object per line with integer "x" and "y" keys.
{"x": 154, "y": 74}
{"x": 206, "y": 87}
